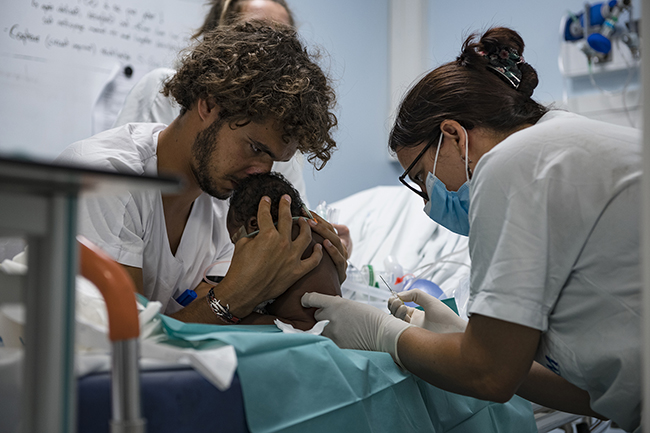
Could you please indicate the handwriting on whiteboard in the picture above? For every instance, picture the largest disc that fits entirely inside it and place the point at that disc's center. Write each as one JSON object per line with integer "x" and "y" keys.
{"x": 119, "y": 29}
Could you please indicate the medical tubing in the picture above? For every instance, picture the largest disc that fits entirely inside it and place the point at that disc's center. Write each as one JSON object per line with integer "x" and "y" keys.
{"x": 456, "y": 262}
{"x": 623, "y": 91}
{"x": 430, "y": 271}
{"x": 205, "y": 272}
{"x": 427, "y": 268}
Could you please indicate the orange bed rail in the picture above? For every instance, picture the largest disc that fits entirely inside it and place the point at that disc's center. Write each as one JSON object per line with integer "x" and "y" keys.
{"x": 116, "y": 286}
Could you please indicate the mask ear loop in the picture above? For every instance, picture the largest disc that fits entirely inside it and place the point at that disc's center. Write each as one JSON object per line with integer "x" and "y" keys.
{"x": 205, "y": 272}
{"x": 466, "y": 154}
{"x": 435, "y": 161}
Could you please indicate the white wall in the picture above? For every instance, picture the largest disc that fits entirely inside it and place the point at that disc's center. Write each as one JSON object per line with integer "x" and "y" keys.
{"x": 56, "y": 56}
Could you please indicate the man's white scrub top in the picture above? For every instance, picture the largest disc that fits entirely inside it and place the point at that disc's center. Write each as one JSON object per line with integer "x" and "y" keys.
{"x": 130, "y": 227}
{"x": 554, "y": 244}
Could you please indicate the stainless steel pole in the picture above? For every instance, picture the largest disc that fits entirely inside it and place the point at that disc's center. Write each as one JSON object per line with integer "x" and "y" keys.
{"x": 645, "y": 68}
{"x": 49, "y": 397}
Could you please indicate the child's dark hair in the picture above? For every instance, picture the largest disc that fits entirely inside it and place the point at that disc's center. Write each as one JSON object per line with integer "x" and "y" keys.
{"x": 246, "y": 197}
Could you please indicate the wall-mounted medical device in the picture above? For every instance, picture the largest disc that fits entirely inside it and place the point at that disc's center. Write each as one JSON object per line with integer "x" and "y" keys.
{"x": 599, "y": 57}
{"x": 598, "y": 25}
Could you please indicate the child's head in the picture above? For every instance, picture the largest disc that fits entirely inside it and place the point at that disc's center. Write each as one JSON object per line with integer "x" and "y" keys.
{"x": 246, "y": 198}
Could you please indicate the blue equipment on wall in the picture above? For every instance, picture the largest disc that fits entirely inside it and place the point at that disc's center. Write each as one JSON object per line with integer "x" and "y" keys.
{"x": 598, "y": 23}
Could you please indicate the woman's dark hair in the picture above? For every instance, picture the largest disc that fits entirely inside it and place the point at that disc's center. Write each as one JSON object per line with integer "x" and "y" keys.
{"x": 246, "y": 197}
{"x": 228, "y": 12}
{"x": 470, "y": 92}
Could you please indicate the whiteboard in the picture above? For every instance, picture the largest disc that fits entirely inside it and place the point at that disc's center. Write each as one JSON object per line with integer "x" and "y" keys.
{"x": 56, "y": 56}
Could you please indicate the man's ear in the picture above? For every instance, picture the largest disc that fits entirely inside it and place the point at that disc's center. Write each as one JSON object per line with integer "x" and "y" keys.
{"x": 207, "y": 109}
{"x": 251, "y": 224}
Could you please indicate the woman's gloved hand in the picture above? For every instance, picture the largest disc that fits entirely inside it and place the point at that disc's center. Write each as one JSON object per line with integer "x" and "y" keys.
{"x": 436, "y": 317}
{"x": 354, "y": 325}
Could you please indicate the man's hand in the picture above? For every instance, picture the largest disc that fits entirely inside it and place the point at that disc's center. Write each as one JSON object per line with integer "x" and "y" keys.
{"x": 333, "y": 244}
{"x": 264, "y": 267}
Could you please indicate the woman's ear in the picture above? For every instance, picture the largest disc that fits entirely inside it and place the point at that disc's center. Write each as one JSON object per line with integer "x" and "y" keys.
{"x": 455, "y": 132}
{"x": 451, "y": 129}
{"x": 251, "y": 224}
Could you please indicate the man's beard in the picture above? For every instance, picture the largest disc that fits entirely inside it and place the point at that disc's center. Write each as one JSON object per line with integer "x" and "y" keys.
{"x": 202, "y": 149}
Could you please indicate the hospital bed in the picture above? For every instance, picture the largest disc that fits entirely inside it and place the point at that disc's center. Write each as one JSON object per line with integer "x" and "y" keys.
{"x": 298, "y": 382}
{"x": 301, "y": 382}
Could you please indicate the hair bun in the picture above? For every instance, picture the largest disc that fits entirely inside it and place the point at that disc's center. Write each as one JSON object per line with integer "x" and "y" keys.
{"x": 529, "y": 80}
{"x": 497, "y": 38}
{"x": 494, "y": 43}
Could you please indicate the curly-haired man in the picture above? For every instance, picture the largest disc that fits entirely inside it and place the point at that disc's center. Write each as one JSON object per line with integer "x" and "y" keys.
{"x": 250, "y": 94}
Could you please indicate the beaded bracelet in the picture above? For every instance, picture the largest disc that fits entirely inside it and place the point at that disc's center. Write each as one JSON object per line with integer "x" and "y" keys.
{"x": 219, "y": 310}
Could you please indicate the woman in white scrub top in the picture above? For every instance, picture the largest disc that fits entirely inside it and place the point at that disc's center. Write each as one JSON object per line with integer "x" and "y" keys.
{"x": 550, "y": 202}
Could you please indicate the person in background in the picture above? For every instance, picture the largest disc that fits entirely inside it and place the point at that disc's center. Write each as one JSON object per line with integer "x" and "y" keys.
{"x": 242, "y": 222}
{"x": 550, "y": 201}
{"x": 251, "y": 94}
{"x": 146, "y": 102}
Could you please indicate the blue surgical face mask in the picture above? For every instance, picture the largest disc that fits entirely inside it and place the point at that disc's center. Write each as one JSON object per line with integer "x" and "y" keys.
{"x": 450, "y": 209}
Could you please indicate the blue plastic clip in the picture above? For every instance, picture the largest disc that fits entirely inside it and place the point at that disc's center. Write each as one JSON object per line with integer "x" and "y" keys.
{"x": 186, "y": 297}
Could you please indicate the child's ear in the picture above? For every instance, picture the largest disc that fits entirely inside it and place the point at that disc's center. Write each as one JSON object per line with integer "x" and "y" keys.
{"x": 251, "y": 225}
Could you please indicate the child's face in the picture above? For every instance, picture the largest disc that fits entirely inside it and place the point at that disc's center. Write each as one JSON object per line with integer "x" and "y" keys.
{"x": 233, "y": 230}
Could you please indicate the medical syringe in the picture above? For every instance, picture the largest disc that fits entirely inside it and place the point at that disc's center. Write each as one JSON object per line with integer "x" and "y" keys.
{"x": 391, "y": 289}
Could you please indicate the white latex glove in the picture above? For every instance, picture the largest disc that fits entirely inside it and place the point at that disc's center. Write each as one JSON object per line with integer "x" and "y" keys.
{"x": 436, "y": 317}
{"x": 354, "y": 325}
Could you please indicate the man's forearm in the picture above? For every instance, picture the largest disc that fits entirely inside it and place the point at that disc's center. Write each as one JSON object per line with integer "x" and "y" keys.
{"x": 227, "y": 293}
{"x": 546, "y": 388}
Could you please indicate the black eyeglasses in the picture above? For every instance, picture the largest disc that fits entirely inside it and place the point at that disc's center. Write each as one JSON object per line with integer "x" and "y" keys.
{"x": 406, "y": 172}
